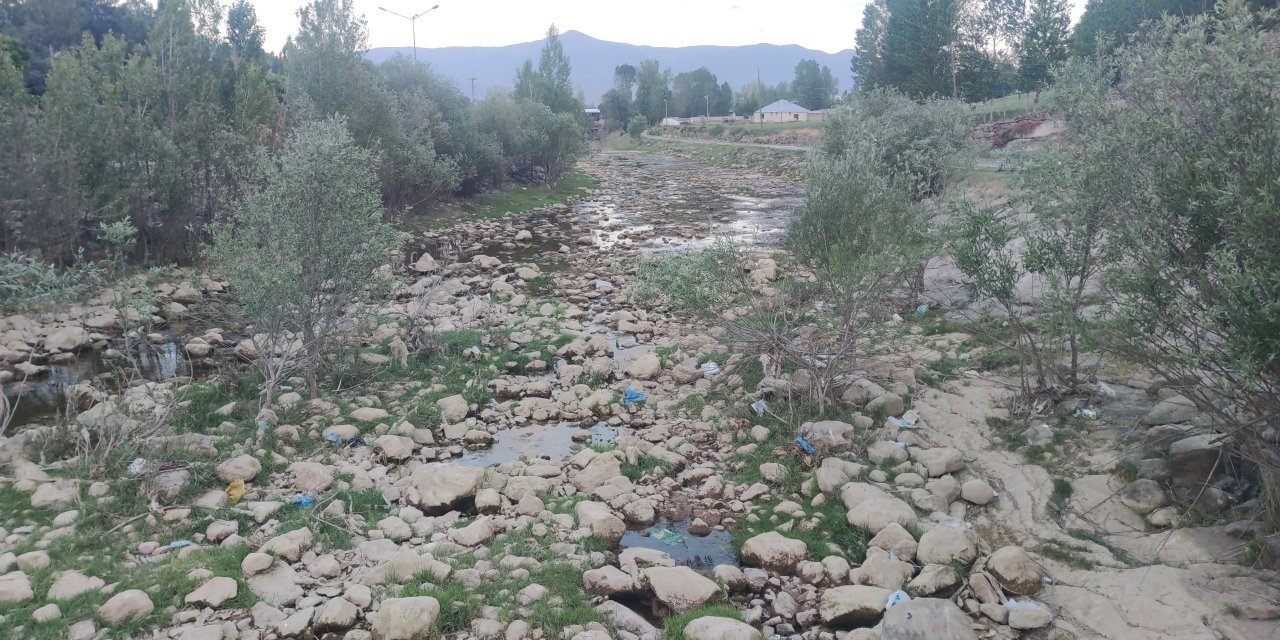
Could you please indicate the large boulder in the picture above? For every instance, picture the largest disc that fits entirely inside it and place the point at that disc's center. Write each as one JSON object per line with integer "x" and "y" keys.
{"x": 948, "y": 543}
{"x": 213, "y": 592}
{"x": 644, "y": 367}
{"x": 939, "y": 461}
{"x": 874, "y": 514}
{"x": 1193, "y": 460}
{"x": 453, "y": 408}
{"x": 926, "y": 619}
{"x": 852, "y": 605}
{"x": 15, "y": 588}
{"x": 1171, "y": 410}
{"x": 1015, "y": 570}
{"x": 1144, "y": 496}
{"x": 599, "y": 470}
{"x": 773, "y": 551}
{"x": 405, "y": 618}
{"x": 436, "y": 488}
{"x": 831, "y": 435}
{"x": 600, "y": 519}
{"x": 242, "y": 467}
{"x": 311, "y": 477}
{"x": 608, "y": 581}
{"x": 66, "y": 339}
{"x": 717, "y": 628}
{"x": 126, "y": 606}
{"x": 680, "y": 588}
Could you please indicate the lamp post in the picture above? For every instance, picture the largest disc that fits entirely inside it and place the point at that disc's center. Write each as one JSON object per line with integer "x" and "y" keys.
{"x": 413, "y": 26}
{"x": 708, "y": 97}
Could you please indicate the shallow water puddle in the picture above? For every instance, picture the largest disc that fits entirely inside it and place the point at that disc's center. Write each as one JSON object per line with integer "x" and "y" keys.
{"x": 700, "y": 553}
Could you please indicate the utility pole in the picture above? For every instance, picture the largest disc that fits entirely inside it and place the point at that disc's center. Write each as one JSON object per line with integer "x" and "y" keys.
{"x": 708, "y": 106}
{"x": 473, "y": 90}
{"x": 413, "y": 26}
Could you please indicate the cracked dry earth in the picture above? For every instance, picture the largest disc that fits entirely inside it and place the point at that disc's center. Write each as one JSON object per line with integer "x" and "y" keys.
{"x": 499, "y": 487}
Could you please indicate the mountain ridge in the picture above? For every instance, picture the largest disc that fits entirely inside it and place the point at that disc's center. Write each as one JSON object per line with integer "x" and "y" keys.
{"x": 593, "y": 61}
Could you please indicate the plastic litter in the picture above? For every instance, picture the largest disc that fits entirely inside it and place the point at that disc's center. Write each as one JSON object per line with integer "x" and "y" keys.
{"x": 710, "y": 368}
{"x": 263, "y": 425}
{"x": 631, "y": 396}
{"x": 922, "y": 309}
{"x": 333, "y": 437}
{"x": 303, "y": 500}
{"x": 666, "y": 536}
{"x": 901, "y": 424}
{"x": 1086, "y": 413}
{"x": 897, "y": 597}
{"x": 178, "y": 544}
{"x": 235, "y": 491}
{"x": 760, "y": 407}
{"x": 137, "y": 467}
{"x": 344, "y": 367}
{"x": 804, "y": 445}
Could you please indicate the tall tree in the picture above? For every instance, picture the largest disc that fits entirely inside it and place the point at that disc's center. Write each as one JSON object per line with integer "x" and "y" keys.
{"x": 1045, "y": 42}
{"x": 813, "y": 87}
{"x": 653, "y": 91}
{"x": 554, "y": 71}
{"x": 1115, "y": 21}
{"x": 868, "y": 63}
{"x": 245, "y": 35}
{"x": 697, "y": 93}
{"x": 920, "y": 52}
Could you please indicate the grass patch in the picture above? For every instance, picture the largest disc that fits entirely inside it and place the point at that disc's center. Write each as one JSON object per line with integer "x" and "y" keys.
{"x": 833, "y": 529}
{"x": 514, "y": 199}
{"x": 1067, "y": 553}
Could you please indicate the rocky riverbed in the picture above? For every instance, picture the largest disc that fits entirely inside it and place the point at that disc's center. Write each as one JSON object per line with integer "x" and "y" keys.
{"x": 500, "y": 483}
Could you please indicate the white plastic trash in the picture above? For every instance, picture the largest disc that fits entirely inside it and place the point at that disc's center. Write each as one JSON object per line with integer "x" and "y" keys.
{"x": 760, "y": 407}
{"x": 710, "y": 368}
{"x": 897, "y": 597}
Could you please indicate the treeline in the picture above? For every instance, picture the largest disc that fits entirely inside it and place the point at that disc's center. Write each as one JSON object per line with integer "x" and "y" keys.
{"x": 981, "y": 49}
{"x": 653, "y": 93}
{"x": 157, "y": 123}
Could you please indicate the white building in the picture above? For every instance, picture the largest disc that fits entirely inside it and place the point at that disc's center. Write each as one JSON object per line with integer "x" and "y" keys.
{"x": 785, "y": 111}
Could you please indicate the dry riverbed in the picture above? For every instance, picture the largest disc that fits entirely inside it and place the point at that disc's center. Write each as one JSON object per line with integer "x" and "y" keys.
{"x": 499, "y": 482}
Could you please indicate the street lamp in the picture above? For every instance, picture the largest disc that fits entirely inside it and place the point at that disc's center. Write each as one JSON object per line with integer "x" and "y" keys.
{"x": 413, "y": 27}
{"x": 708, "y": 106}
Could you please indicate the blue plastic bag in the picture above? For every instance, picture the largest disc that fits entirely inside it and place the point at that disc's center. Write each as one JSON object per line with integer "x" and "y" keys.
{"x": 303, "y": 500}
{"x": 631, "y": 396}
{"x": 804, "y": 444}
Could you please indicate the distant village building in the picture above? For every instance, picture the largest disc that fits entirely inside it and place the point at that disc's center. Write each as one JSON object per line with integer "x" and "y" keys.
{"x": 785, "y": 111}
{"x": 592, "y": 114}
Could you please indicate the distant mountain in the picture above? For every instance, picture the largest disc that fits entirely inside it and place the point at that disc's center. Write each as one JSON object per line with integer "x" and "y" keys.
{"x": 593, "y": 62}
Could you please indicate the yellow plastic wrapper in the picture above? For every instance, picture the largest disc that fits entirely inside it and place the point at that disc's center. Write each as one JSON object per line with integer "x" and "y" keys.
{"x": 235, "y": 491}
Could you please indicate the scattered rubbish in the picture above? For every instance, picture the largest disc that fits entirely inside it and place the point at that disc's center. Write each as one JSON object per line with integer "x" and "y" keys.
{"x": 1086, "y": 413}
{"x": 333, "y": 437}
{"x": 666, "y": 536}
{"x": 760, "y": 407}
{"x": 474, "y": 352}
{"x": 235, "y": 491}
{"x": 897, "y": 319}
{"x": 137, "y": 467}
{"x": 263, "y": 425}
{"x": 897, "y": 597}
{"x": 901, "y": 424}
{"x": 922, "y": 309}
{"x": 344, "y": 367}
{"x": 631, "y": 396}
{"x": 178, "y": 544}
{"x": 804, "y": 445}
{"x": 303, "y": 500}
{"x": 710, "y": 368}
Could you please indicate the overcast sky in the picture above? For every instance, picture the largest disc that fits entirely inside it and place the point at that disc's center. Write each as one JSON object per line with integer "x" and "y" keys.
{"x": 828, "y": 25}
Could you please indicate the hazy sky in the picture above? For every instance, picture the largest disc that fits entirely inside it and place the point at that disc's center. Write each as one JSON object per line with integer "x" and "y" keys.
{"x": 828, "y": 25}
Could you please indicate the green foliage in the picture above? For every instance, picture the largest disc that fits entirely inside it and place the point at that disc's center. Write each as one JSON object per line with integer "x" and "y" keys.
{"x": 550, "y": 84}
{"x": 1198, "y": 291}
{"x": 302, "y": 249}
{"x": 813, "y": 87}
{"x": 636, "y": 128}
{"x": 697, "y": 92}
{"x": 653, "y": 91}
{"x": 1046, "y": 41}
{"x": 701, "y": 282}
